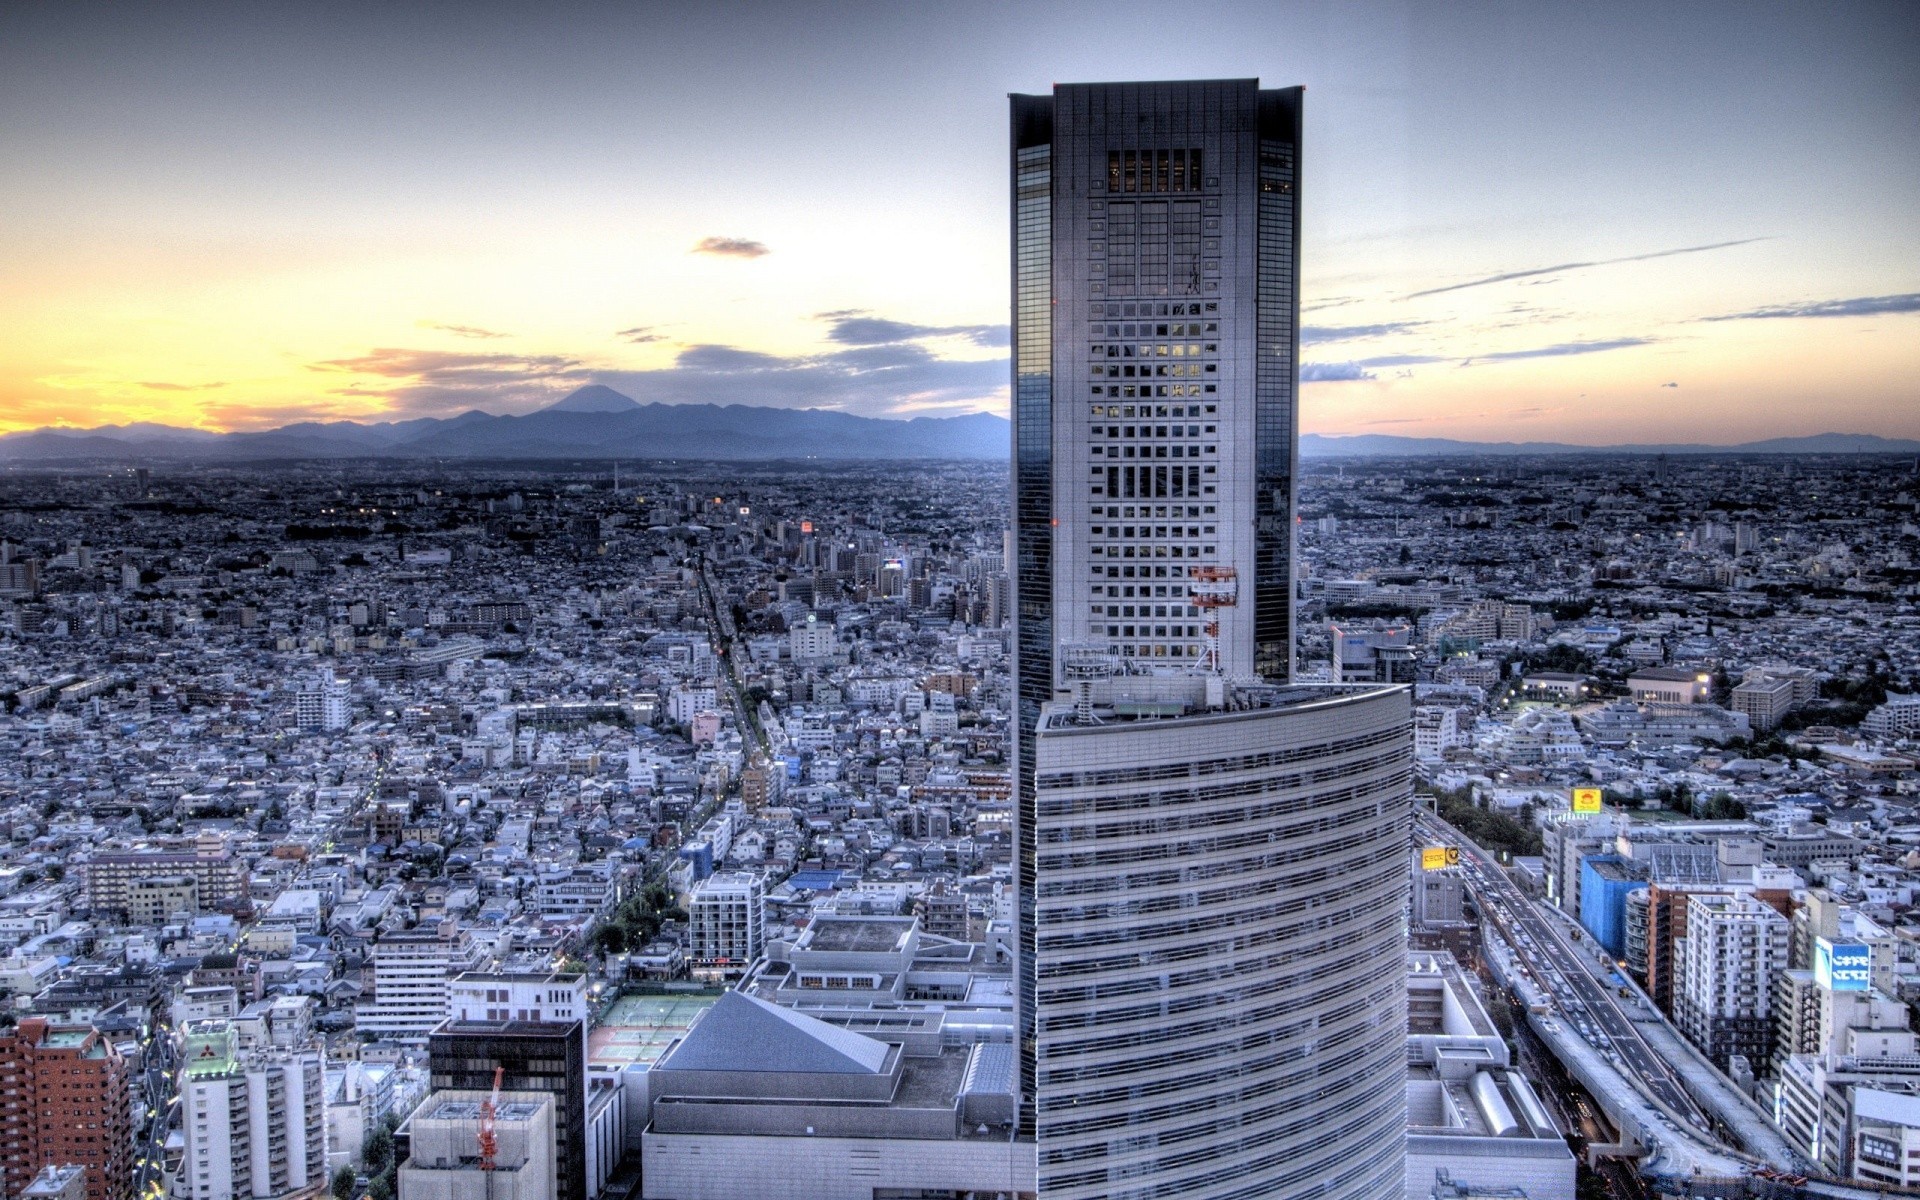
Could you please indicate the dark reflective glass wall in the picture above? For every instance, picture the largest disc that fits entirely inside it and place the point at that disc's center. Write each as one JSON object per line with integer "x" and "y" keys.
{"x": 1276, "y": 415}
{"x": 1032, "y": 514}
{"x": 547, "y": 1058}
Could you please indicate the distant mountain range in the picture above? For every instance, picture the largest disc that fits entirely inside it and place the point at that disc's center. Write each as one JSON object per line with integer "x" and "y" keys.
{"x": 593, "y": 422}
{"x": 599, "y": 423}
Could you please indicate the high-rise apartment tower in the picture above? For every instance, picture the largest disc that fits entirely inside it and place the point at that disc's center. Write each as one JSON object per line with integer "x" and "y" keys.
{"x": 254, "y": 1116}
{"x": 1211, "y": 863}
{"x": 65, "y": 1097}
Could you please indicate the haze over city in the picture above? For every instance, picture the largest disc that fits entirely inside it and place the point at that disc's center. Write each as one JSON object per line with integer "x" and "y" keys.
{"x": 1617, "y": 223}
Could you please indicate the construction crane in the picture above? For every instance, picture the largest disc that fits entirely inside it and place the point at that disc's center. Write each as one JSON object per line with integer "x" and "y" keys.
{"x": 489, "y": 1144}
{"x": 1212, "y": 589}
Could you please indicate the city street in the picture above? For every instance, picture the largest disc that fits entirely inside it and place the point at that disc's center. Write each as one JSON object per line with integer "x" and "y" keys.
{"x": 1590, "y": 1004}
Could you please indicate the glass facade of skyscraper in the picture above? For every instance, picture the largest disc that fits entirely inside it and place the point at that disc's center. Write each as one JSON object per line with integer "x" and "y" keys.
{"x": 1221, "y": 950}
{"x": 1210, "y": 863}
{"x": 1033, "y": 489}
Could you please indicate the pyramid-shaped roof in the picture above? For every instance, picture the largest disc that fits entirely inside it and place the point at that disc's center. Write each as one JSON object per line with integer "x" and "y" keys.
{"x": 744, "y": 1033}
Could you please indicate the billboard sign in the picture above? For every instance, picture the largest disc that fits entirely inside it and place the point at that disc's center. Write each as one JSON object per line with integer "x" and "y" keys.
{"x": 1842, "y": 966}
{"x": 1439, "y": 858}
{"x": 1586, "y": 801}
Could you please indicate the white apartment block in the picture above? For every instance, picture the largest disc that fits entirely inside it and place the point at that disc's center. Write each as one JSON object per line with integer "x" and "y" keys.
{"x": 1765, "y": 701}
{"x": 325, "y": 704}
{"x": 1898, "y": 717}
{"x": 114, "y": 880}
{"x": 1811, "y": 1019}
{"x": 1723, "y": 995}
{"x": 1436, "y": 729}
{"x": 517, "y": 996}
{"x": 584, "y": 891}
{"x": 1856, "y": 1113}
{"x": 253, "y": 1118}
{"x": 411, "y": 973}
{"x": 684, "y": 702}
{"x": 812, "y": 641}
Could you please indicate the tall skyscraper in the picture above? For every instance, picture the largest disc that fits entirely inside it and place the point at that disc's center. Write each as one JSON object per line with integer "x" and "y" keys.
{"x": 1155, "y": 316}
{"x": 1211, "y": 862}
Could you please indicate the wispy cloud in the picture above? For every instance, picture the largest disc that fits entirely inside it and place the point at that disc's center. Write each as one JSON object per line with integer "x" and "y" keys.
{"x": 1402, "y": 360}
{"x": 1531, "y": 272}
{"x": 465, "y": 331}
{"x": 640, "y": 335}
{"x": 1361, "y": 370}
{"x": 105, "y": 385}
{"x": 254, "y": 418}
{"x": 437, "y": 382}
{"x": 870, "y": 377}
{"x": 857, "y": 327}
{"x": 884, "y": 379}
{"x": 1533, "y": 413}
{"x": 395, "y": 363}
{"x": 1311, "y": 334}
{"x": 1346, "y": 372}
{"x": 1560, "y": 350}
{"x": 1858, "y": 306}
{"x": 730, "y": 247}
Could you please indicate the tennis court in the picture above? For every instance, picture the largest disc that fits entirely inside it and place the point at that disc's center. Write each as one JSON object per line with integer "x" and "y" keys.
{"x": 638, "y": 1029}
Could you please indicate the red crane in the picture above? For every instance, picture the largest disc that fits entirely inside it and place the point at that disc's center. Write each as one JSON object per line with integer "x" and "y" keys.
{"x": 1212, "y": 589}
{"x": 489, "y": 1145}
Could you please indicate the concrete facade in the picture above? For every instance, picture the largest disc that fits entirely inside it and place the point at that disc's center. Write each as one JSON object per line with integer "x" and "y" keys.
{"x": 682, "y": 1167}
{"x": 444, "y": 1135}
{"x": 758, "y": 1099}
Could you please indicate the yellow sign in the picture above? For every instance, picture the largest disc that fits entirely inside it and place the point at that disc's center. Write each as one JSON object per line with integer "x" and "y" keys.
{"x": 1439, "y": 858}
{"x": 1586, "y": 800}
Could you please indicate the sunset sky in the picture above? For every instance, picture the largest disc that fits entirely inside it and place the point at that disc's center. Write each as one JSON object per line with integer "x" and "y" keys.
{"x": 1592, "y": 223}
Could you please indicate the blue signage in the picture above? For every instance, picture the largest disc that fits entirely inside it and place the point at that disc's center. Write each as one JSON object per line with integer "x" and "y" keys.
{"x": 1842, "y": 966}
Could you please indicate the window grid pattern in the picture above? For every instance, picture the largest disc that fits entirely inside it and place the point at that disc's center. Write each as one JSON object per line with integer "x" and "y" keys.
{"x": 1222, "y": 956}
{"x": 1158, "y": 453}
{"x": 1150, "y": 242}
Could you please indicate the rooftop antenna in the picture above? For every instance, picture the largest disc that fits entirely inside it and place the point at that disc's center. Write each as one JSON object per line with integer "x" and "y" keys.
{"x": 1084, "y": 665}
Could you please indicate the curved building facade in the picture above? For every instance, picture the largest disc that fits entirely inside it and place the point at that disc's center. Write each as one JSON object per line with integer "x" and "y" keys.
{"x": 1220, "y": 956}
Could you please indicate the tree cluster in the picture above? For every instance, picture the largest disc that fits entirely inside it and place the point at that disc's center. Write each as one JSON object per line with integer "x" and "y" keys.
{"x": 634, "y": 922}
{"x": 377, "y": 1158}
{"x": 1496, "y": 831}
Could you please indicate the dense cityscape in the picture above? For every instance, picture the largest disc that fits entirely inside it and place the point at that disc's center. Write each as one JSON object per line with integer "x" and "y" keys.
{"x": 770, "y": 616}
{"x": 295, "y": 756}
